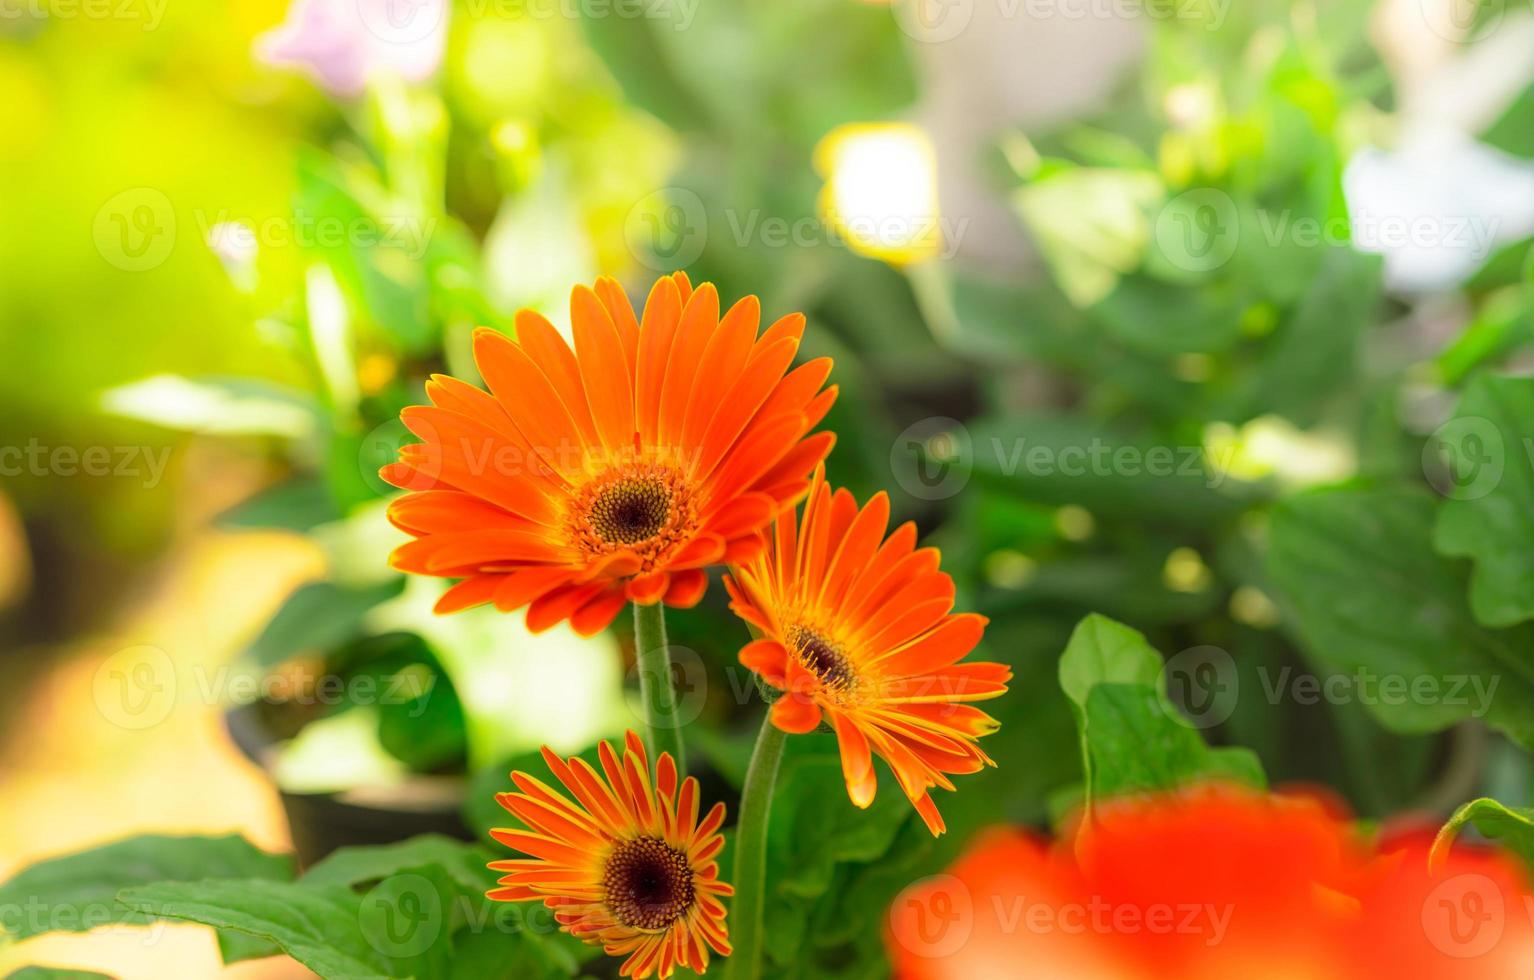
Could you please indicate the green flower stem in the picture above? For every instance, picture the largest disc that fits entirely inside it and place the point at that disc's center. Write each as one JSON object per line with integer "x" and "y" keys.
{"x": 747, "y": 918}
{"x": 655, "y": 684}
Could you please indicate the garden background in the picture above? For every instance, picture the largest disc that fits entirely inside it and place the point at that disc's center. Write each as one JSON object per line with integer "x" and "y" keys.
{"x": 1210, "y": 317}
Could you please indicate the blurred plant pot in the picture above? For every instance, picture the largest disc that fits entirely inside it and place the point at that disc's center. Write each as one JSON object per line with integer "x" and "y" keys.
{"x": 321, "y": 822}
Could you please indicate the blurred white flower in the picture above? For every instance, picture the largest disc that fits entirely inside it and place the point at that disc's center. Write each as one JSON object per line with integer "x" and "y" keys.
{"x": 1437, "y": 206}
{"x": 344, "y": 43}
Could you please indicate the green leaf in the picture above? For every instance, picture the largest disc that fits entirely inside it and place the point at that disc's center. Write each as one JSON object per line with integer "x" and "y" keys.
{"x": 300, "y": 504}
{"x": 1503, "y": 323}
{"x": 215, "y": 406}
{"x": 1091, "y": 224}
{"x": 379, "y": 268}
{"x": 1513, "y": 828}
{"x": 500, "y": 939}
{"x": 1102, "y": 651}
{"x": 1133, "y": 739}
{"x": 1489, "y": 516}
{"x": 815, "y": 836}
{"x": 1161, "y": 319}
{"x": 1315, "y": 347}
{"x": 1136, "y": 744}
{"x": 464, "y": 862}
{"x": 319, "y": 926}
{"x": 1514, "y": 129}
{"x": 317, "y": 617}
{"x": 54, "y": 973}
{"x": 237, "y": 947}
{"x": 1060, "y": 459}
{"x": 635, "y": 57}
{"x": 78, "y": 892}
{"x": 1369, "y": 596}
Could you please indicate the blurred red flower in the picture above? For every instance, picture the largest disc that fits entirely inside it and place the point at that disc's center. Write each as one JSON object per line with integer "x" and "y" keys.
{"x": 1215, "y": 882}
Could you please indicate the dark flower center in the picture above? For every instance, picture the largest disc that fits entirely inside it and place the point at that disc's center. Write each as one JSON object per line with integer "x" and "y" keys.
{"x": 648, "y": 882}
{"x": 821, "y": 657}
{"x": 631, "y": 511}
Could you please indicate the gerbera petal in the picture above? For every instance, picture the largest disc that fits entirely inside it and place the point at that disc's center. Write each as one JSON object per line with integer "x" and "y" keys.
{"x": 657, "y": 332}
{"x": 687, "y": 588}
{"x": 560, "y": 604}
{"x": 605, "y": 370}
{"x": 795, "y": 713}
{"x": 597, "y": 614}
{"x": 940, "y": 647}
{"x": 473, "y": 591}
{"x": 518, "y": 588}
{"x": 723, "y": 361}
{"x": 547, "y": 349}
{"x": 700, "y": 318}
{"x": 857, "y": 761}
{"x": 767, "y": 658}
{"x": 648, "y": 589}
{"x": 528, "y": 397}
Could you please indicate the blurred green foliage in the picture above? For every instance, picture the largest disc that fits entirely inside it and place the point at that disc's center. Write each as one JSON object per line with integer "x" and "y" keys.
{"x": 1136, "y": 427}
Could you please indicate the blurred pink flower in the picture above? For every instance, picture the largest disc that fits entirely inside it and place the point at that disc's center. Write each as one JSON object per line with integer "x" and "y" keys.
{"x": 343, "y": 43}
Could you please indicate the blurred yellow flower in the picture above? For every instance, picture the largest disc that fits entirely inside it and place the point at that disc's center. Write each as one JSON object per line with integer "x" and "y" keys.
{"x": 880, "y": 194}
{"x": 1271, "y": 446}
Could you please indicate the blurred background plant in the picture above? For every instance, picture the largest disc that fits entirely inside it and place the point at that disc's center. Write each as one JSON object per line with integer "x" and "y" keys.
{"x": 1099, "y": 337}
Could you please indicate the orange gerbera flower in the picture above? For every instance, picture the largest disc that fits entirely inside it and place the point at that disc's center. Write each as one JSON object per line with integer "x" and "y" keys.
{"x": 857, "y": 627}
{"x": 1213, "y": 882}
{"x": 626, "y": 864}
{"x": 616, "y": 471}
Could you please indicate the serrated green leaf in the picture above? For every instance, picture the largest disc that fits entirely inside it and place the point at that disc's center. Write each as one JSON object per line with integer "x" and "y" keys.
{"x": 1136, "y": 745}
{"x": 1133, "y": 739}
{"x": 1489, "y": 517}
{"x": 237, "y": 947}
{"x": 1102, "y": 651}
{"x": 78, "y": 892}
{"x": 1511, "y": 827}
{"x": 1368, "y": 593}
{"x": 464, "y": 862}
{"x": 319, "y": 926}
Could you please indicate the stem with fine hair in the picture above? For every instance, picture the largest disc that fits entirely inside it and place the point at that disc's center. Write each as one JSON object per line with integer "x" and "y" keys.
{"x": 656, "y": 690}
{"x": 748, "y": 916}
